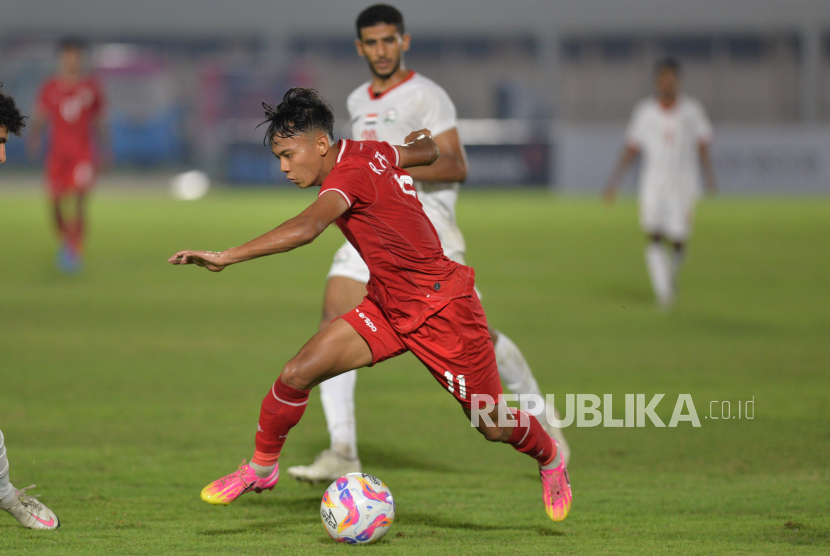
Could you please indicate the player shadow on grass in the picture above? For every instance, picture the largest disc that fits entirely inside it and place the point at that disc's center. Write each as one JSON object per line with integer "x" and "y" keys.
{"x": 431, "y": 520}
{"x": 289, "y": 513}
{"x": 387, "y": 458}
{"x": 627, "y": 294}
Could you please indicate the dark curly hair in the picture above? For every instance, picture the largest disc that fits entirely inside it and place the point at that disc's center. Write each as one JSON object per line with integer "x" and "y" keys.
{"x": 301, "y": 111}
{"x": 10, "y": 116}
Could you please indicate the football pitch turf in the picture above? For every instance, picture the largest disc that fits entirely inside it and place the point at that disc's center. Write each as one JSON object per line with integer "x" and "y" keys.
{"x": 127, "y": 388}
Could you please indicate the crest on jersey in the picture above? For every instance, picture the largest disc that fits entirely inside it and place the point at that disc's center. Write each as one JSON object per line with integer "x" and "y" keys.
{"x": 390, "y": 115}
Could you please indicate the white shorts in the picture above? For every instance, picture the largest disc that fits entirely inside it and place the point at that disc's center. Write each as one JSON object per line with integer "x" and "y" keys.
{"x": 439, "y": 207}
{"x": 668, "y": 215}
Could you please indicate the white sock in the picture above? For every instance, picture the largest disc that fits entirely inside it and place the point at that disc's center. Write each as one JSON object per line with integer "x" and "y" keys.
{"x": 556, "y": 461}
{"x": 7, "y": 489}
{"x": 513, "y": 368}
{"x": 262, "y": 471}
{"x": 659, "y": 270}
{"x": 337, "y": 395}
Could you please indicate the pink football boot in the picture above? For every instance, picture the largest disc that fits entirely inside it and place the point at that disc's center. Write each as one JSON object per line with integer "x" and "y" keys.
{"x": 230, "y": 487}
{"x": 556, "y": 490}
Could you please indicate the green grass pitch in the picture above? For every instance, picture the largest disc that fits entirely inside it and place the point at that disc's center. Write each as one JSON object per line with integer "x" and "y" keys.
{"x": 126, "y": 389}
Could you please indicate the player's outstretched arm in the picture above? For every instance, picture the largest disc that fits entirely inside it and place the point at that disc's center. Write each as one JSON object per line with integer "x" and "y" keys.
{"x": 296, "y": 232}
{"x": 419, "y": 149}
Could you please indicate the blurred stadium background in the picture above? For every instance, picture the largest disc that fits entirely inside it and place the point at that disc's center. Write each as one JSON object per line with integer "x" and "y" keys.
{"x": 543, "y": 87}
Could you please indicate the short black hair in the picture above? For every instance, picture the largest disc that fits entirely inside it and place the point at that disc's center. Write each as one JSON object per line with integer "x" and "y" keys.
{"x": 668, "y": 63}
{"x": 10, "y": 117}
{"x": 377, "y": 14}
{"x": 71, "y": 43}
{"x": 301, "y": 111}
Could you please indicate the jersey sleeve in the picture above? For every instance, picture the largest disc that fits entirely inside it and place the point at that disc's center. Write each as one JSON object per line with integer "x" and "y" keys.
{"x": 353, "y": 184}
{"x": 391, "y": 152}
{"x": 438, "y": 111}
{"x": 635, "y": 134}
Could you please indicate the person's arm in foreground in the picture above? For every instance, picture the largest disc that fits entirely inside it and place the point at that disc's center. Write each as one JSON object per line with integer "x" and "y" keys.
{"x": 419, "y": 149}
{"x": 451, "y": 164}
{"x": 296, "y": 232}
{"x": 304, "y": 228}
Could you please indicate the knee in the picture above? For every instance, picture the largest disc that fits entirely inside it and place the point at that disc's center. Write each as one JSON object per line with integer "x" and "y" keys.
{"x": 294, "y": 375}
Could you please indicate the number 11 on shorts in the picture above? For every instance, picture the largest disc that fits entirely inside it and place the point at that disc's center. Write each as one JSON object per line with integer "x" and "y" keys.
{"x": 462, "y": 384}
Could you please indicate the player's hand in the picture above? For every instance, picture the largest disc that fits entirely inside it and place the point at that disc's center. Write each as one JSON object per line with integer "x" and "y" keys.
{"x": 418, "y": 135}
{"x": 210, "y": 260}
{"x": 609, "y": 195}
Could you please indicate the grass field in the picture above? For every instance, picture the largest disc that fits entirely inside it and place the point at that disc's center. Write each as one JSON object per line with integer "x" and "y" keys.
{"x": 127, "y": 388}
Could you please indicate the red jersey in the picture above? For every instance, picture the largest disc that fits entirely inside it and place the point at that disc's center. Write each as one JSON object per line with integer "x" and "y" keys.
{"x": 411, "y": 278}
{"x": 71, "y": 109}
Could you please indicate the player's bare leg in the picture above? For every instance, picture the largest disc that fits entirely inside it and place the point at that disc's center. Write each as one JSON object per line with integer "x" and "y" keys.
{"x": 518, "y": 378}
{"x": 335, "y": 349}
{"x": 660, "y": 270}
{"x": 68, "y": 214}
{"x": 337, "y": 396}
{"x": 527, "y": 436}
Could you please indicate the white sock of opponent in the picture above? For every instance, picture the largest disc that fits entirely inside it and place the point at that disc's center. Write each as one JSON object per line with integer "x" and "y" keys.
{"x": 659, "y": 270}
{"x": 337, "y": 395}
{"x": 7, "y": 490}
{"x": 513, "y": 368}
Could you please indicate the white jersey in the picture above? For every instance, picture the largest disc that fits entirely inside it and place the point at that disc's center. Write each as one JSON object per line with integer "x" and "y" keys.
{"x": 668, "y": 140}
{"x": 415, "y": 103}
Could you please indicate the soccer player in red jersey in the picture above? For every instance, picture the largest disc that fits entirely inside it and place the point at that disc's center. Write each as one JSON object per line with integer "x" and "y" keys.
{"x": 72, "y": 104}
{"x": 417, "y": 299}
{"x": 27, "y": 509}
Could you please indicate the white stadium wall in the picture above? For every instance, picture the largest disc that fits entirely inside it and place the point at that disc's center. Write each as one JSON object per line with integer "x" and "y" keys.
{"x": 747, "y": 159}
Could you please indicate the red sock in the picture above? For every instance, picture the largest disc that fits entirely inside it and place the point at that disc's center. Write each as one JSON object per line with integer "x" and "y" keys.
{"x": 282, "y": 408}
{"x": 532, "y": 438}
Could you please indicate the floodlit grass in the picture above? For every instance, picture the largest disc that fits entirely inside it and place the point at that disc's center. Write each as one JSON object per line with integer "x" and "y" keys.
{"x": 129, "y": 387}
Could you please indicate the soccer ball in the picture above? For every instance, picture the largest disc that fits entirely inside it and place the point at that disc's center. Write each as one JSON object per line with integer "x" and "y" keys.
{"x": 357, "y": 509}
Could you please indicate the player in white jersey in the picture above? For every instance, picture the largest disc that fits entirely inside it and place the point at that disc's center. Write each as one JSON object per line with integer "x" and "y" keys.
{"x": 27, "y": 509}
{"x": 672, "y": 134}
{"x": 395, "y": 101}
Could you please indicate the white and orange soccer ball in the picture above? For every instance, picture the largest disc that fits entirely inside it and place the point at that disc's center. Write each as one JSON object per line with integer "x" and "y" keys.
{"x": 357, "y": 509}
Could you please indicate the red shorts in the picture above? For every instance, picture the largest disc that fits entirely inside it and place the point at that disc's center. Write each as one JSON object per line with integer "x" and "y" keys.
{"x": 454, "y": 344}
{"x": 70, "y": 174}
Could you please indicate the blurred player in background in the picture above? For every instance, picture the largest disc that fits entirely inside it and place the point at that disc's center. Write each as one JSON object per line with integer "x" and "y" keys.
{"x": 72, "y": 105}
{"x": 672, "y": 134}
{"x": 28, "y": 510}
{"x": 395, "y": 101}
